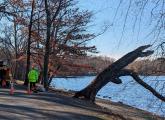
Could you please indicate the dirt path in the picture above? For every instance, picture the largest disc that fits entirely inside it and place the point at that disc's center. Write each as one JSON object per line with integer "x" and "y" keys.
{"x": 54, "y": 106}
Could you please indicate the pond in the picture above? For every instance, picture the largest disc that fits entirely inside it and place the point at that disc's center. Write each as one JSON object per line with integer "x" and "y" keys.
{"x": 129, "y": 92}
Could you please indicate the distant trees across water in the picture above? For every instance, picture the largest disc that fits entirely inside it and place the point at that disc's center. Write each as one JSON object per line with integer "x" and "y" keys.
{"x": 93, "y": 65}
{"x": 149, "y": 67}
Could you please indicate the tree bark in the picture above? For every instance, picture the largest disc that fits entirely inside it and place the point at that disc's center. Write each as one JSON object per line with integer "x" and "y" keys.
{"x": 141, "y": 82}
{"x": 28, "y": 46}
{"x": 47, "y": 45}
{"x": 110, "y": 74}
{"x": 16, "y": 51}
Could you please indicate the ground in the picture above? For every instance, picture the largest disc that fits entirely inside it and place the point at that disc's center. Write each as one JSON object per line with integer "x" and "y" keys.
{"x": 57, "y": 105}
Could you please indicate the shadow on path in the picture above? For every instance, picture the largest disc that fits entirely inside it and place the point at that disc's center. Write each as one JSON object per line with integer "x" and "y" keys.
{"x": 22, "y": 106}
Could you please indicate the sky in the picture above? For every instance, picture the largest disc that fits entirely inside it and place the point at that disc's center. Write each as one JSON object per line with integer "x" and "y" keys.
{"x": 113, "y": 43}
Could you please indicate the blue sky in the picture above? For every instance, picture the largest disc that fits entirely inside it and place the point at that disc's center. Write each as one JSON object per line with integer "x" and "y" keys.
{"x": 112, "y": 43}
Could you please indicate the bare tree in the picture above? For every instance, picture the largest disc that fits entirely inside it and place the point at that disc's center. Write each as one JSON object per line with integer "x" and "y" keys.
{"x": 29, "y": 43}
{"x": 147, "y": 15}
{"x": 49, "y": 19}
{"x": 114, "y": 71}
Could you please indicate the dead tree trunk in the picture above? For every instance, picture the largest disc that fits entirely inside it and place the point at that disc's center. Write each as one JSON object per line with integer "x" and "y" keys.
{"x": 110, "y": 74}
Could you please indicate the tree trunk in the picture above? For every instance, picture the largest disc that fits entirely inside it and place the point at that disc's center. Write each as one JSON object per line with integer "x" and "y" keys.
{"x": 16, "y": 49}
{"x": 110, "y": 74}
{"x": 47, "y": 46}
{"x": 28, "y": 46}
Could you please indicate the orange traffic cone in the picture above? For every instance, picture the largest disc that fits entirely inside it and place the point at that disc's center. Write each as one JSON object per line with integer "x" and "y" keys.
{"x": 3, "y": 83}
{"x": 11, "y": 89}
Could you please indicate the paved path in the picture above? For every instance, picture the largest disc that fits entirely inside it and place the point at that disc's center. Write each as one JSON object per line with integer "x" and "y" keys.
{"x": 46, "y": 106}
{"x": 60, "y": 106}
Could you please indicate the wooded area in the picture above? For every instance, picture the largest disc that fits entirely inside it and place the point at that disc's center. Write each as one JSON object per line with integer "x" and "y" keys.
{"x": 45, "y": 34}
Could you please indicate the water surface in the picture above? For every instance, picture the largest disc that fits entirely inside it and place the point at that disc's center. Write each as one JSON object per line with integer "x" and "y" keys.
{"x": 129, "y": 92}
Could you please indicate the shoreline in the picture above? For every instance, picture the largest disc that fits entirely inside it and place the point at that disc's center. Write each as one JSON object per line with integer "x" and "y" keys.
{"x": 60, "y": 105}
{"x": 109, "y": 105}
{"x": 102, "y": 105}
{"x": 116, "y": 93}
{"x": 106, "y": 99}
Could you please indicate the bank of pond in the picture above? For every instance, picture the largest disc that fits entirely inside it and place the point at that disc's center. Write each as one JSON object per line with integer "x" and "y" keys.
{"x": 129, "y": 92}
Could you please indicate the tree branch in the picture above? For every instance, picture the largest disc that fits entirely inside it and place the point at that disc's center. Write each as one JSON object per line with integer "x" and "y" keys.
{"x": 134, "y": 75}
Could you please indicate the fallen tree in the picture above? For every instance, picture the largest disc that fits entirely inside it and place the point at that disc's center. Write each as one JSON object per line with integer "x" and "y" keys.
{"x": 116, "y": 70}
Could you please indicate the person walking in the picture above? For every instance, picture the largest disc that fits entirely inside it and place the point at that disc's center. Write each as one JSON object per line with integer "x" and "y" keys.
{"x": 33, "y": 78}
